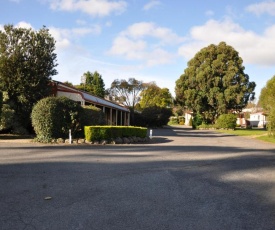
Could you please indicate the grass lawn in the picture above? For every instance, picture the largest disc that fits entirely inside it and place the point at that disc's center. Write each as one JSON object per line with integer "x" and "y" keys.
{"x": 259, "y": 134}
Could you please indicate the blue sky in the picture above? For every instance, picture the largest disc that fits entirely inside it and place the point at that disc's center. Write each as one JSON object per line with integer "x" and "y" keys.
{"x": 150, "y": 40}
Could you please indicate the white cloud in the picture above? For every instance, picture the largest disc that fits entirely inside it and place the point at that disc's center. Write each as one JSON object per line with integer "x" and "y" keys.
{"x": 253, "y": 48}
{"x": 149, "y": 29}
{"x": 151, "y": 5}
{"x": 146, "y": 42}
{"x": 262, "y": 7}
{"x": 133, "y": 50}
{"x": 65, "y": 37}
{"x": 93, "y": 7}
{"x": 25, "y": 25}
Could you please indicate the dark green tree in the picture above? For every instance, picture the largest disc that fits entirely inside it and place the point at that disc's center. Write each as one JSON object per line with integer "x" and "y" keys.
{"x": 27, "y": 62}
{"x": 214, "y": 82}
{"x": 93, "y": 83}
{"x": 153, "y": 95}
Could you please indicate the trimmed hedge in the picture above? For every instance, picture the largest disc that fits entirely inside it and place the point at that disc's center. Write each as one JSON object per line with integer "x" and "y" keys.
{"x": 98, "y": 133}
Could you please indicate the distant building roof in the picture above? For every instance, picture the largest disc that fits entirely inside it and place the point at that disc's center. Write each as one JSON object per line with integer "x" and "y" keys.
{"x": 62, "y": 87}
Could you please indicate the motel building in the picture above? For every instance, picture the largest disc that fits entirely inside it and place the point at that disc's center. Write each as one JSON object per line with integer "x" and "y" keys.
{"x": 115, "y": 114}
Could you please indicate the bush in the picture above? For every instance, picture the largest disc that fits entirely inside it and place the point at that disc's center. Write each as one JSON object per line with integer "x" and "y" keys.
{"x": 156, "y": 116}
{"x": 92, "y": 116}
{"x": 173, "y": 121}
{"x": 98, "y": 133}
{"x": 181, "y": 120}
{"x": 197, "y": 120}
{"x": 52, "y": 117}
{"x": 226, "y": 121}
{"x": 7, "y": 118}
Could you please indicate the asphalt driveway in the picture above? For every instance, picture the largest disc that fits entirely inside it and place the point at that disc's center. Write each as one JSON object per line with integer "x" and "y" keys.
{"x": 183, "y": 179}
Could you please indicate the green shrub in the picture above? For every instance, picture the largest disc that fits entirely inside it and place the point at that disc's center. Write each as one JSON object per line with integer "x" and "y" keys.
{"x": 173, "y": 121}
{"x": 156, "y": 116}
{"x": 181, "y": 120}
{"x": 93, "y": 116}
{"x": 98, "y": 133}
{"x": 7, "y": 118}
{"x": 52, "y": 117}
{"x": 197, "y": 120}
{"x": 226, "y": 121}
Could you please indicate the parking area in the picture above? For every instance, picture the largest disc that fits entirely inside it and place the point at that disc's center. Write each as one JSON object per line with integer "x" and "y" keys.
{"x": 182, "y": 179}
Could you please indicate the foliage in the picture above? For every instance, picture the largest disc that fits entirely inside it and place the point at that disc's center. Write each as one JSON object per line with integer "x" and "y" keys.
{"x": 226, "y": 121}
{"x": 267, "y": 96}
{"x": 1, "y": 103}
{"x": 27, "y": 62}
{"x": 7, "y": 118}
{"x": 98, "y": 133}
{"x": 126, "y": 92}
{"x": 267, "y": 101}
{"x": 271, "y": 123}
{"x": 153, "y": 95}
{"x": 196, "y": 121}
{"x": 68, "y": 83}
{"x": 181, "y": 120}
{"x": 173, "y": 121}
{"x": 214, "y": 82}
{"x": 153, "y": 117}
{"x": 93, "y": 83}
{"x": 179, "y": 111}
{"x": 92, "y": 116}
{"x": 52, "y": 117}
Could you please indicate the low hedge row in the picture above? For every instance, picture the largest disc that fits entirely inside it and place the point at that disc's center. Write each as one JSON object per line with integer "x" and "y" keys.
{"x": 98, "y": 133}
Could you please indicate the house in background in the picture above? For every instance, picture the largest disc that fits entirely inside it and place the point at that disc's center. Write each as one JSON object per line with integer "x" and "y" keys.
{"x": 188, "y": 116}
{"x": 258, "y": 119}
{"x": 115, "y": 114}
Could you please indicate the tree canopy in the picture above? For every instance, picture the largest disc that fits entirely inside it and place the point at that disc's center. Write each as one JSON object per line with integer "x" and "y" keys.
{"x": 27, "y": 62}
{"x": 93, "y": 83}
{"x": 267, "y": 101}
{"x": 153, "y": 95}
{"x": 214, "y": 82}
{"x": 267, "y": 96}
{"x": 126, "y": 92}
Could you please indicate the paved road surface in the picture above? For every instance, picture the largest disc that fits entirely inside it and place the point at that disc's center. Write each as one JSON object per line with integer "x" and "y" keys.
{"x": 183, "y": 179}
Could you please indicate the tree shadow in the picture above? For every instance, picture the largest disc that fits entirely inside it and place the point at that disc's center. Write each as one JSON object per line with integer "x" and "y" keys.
{"x": 139, "y": 186}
